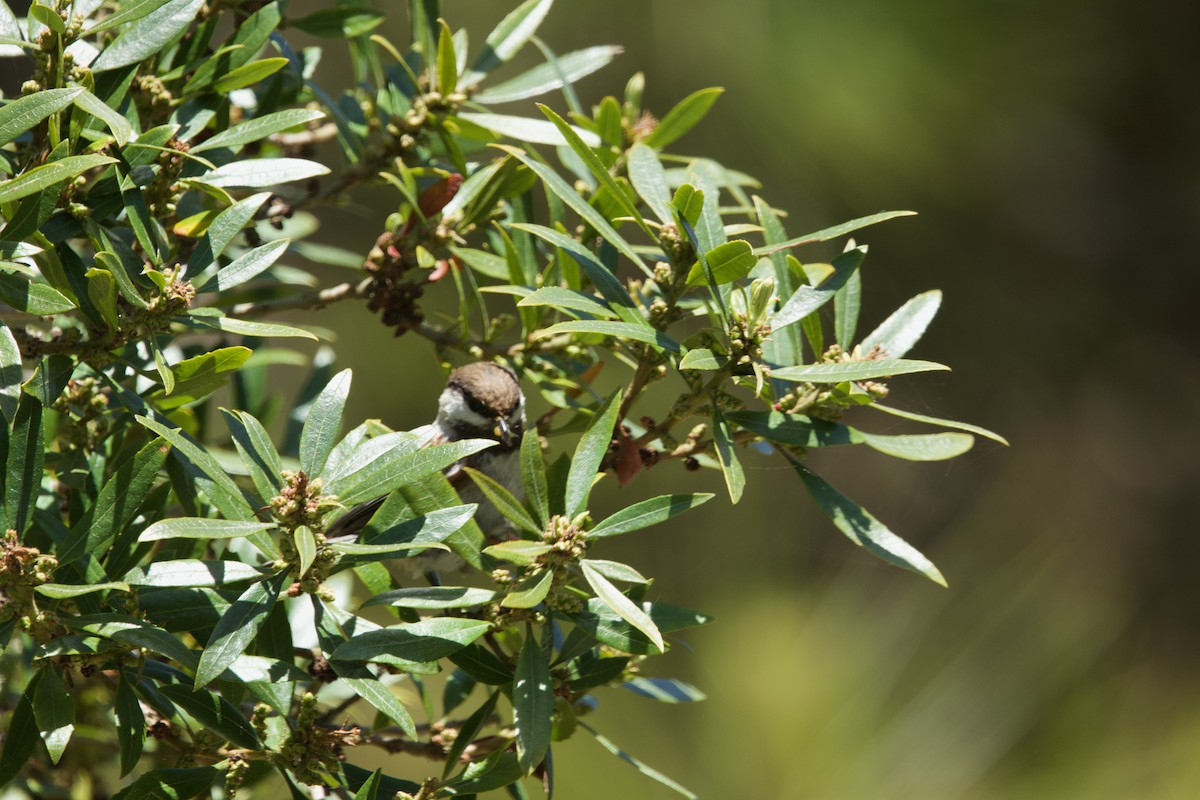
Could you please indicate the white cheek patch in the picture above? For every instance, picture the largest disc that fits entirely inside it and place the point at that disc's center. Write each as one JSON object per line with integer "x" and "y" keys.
{"x": 452, "y": 407}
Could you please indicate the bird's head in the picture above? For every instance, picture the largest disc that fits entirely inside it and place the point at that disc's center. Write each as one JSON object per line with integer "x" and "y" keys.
{"x": 483, "y": 401}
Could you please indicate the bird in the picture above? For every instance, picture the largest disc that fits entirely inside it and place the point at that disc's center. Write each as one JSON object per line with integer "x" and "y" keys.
{"x": 482, "y": 400}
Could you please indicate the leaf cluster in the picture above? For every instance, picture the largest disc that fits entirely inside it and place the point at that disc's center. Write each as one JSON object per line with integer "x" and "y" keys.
{"x": 165, "y": 574}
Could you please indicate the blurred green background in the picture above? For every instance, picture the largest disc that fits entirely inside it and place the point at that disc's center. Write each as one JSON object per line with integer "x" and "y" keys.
{"x": 1051, "y": 152}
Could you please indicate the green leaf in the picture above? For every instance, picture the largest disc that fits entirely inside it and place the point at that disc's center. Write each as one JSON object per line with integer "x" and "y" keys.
{"x": 148, "y": 35}
{"x": 664, "y": 690}
{"x": 400, "y": 467}
{"x": 258, "y": 128}
{"x": 411, "y": 643}
{"x": 470, "y": 730}
{"x": 447, "y": 64}
{"x": 250, "y": 36}
{"x": 344, "y": 22}
{"x": 899, "y": 332}
{"x": 602, "y": 278}
{"x": 21, "y": 735}
{"x": 596, "y": 167}
{"x": 863, "y": 529}
{"x": 731, "y": 468}
{"x": 136, "y": 633}
{"x": 649, "y": 180}
{"x": 49, "y": 174}
{"x": 703, "y": 358}
{"x": 370, "y": 787}
{"x": 638, "y": 764}
{"x": 136, "y": 9}
{"x": 530, "y": 591}
{"x": 34, "y": 298}
{"x": 846, "y": 306}
{"x": 433, "y": 597}
{"x": 616, "y": 571}
{"x": 557, "y": 297}
{"x": 258, "y": 172}
{"x": 523, "y": 129}
{"x": 807, "y": 299}
{"x": 48, "y": 17}
{"x": 54, "y": 711}
{"x": 533, "y": 475}
{"x": 622, "y": 605}
{"x": 23, "y": 113}
{"x": 377, "y": 693}
{"x": 504, "y": 501}
{"x": 213, "y": 712}
{"x": 920, "y": 447}
{"x": 533, "y": 703}
{"x": 519, "y": 551}
{"x": 550, "y": 76}
{"x": 323, "y": 424}
{"x": 945, "y": 423}
{"x": 248, "y": 74}
{"x": 196, "y": 528}
{"x": 500, "y": 769}
{"x": 835, "y": 232}
{"x": 12, "y": 373}
{"x": 854, "y": 370}
{"x": 602, "y": 623}
{"x": 189, "y": 572}
{"x": 589, "y": 454}
{"x": 729, "y": 262}
{"x": 565, "y": 192}
{"x": 197, "y": 377}
{"x": 237, "y": 628}
{"x": 125, "y": 285}
{"x": 249, "y": 328}
{"x": 794, "y": 429}
{"x": 131, "y": 725}
{"x": 650, "y": 512}
{"x": 51, "y": 377}
{"x": 222, "y": 230}
{"x": 506, "y": 39}
{"x": 26, "y": 454}
{"x": 686, "y": 114}
{"x": 306, "y": 549}
{"x": 254, "y": 445}
{"x": 624, "y": 330}
{"x": 171, "y": 783}
{"x": 121, "y": 130}
{"x": 62, "y": 591}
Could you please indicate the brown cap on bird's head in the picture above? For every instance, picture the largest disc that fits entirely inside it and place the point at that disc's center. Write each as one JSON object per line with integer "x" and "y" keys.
{"x": 489, "y": 388}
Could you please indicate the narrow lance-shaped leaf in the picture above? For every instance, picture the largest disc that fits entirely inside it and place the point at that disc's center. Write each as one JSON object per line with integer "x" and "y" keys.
{"x": 834, "y": 232}
{"x": 259, "y": 128}
{"x": 131, "y": 725}
{"x": 237, "y": 628}
{"x": 945, "y": 423}
{"x": 897, "y": 334}
{"x": 589, "y": 454}
{"x": 410, "y": 643}
{"x": 855, "y": 370}
{"x": 533, "y": 703}
{"x": 46, "y": 175}
{"x": 54, "y": 711}
{"x": 548, "y": 77}
{"x": 247, "y": 266}
{"x": 920, "y": 446}
{"x": 507, "y": 38}
{"x": 148, "y": 35}
{"x": 863, "y": 529}
{"x": 21, "y": 735}
{"x": 116, "y": 124}
{"x": 590, "y": 215}
{"x": 323, "y": 424}
{"x": 623, "y": 330}
{"x": 26, "y": 453}
{"x": 638, "y": 764}
{"x": 684, "y": 116}
{"x": 846, "y": 306}
{"x": 259, "y": 172}
{"x": 504, "y": 501}
{"x": 649, "y": 180}
{"x": 11, "y": 374}
{"x": 530, "y": 591}
{"x": 731, "y": 468}
{"x": 625, "y": 608}
{"x": 647, "y": 513}
{"x": 807, "y": 299}
{"x": 594, "y": 165}
{"x": 533, "y": 475}
{"x": 23, "y": 113}
{"x": 32, "y": 297}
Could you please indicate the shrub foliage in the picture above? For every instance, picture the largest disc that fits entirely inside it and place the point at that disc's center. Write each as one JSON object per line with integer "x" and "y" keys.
{"x": 171, "y": 618}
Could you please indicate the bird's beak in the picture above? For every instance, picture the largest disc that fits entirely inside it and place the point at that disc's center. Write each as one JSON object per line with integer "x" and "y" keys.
{"x": 504, "y": 433}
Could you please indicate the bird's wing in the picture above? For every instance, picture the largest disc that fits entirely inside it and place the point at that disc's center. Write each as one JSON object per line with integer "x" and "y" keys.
{"x": 350, "y": 524}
